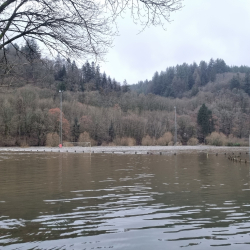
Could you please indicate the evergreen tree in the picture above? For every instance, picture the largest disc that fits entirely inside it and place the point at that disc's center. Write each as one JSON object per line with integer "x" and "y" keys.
{"x": 75, "y": 131}
{"x": 203, "y": 73}
{"x": 97, "y": 78}
{"x": 125, "y": 87}
{"x": 156, "y": 87}
{"x": 170, "y": 74}
{"x": 221, "y": 66}
{"x": 235, "y": 82}
{"x": 111, "y": 131}
{"x": 87, "y": 72}
{"x": 73, "y": 79}
{"x": 247, "y": 83}
{"x": 31, "y": 50}
{"x": 191, "y": 80}
{"x": 205, "y": 122}
{"x": 109, "y": 84}
{"x": 93, "y": 70}
{"x": 104, "y": 81}
{"x": 61, "y": 74}
{"x": 116, "y": 86}
{"x": 211, "y": 70}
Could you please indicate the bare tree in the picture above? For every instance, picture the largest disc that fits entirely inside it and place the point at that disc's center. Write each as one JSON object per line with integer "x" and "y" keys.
{"x": 76, "y": 27}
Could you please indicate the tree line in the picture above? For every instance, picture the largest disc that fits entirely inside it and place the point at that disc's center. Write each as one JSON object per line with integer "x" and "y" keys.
{"x": 30, "y": 115}
{"x": 28, "y": 67}
{"x": 186, "y": 79}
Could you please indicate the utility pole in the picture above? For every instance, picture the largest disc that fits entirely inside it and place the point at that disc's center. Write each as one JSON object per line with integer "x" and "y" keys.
{"x": 60, "y": 137}
{"x": 175, "y": 127}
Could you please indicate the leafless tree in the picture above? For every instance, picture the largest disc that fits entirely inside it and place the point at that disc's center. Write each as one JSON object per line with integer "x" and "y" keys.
{"x": 76, "y": 27}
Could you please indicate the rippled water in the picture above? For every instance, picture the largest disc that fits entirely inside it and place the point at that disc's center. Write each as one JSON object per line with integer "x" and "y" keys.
{"x": 74, "y": 201}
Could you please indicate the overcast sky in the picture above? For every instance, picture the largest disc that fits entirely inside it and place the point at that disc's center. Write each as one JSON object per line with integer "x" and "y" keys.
{"x": 202, "y": 30}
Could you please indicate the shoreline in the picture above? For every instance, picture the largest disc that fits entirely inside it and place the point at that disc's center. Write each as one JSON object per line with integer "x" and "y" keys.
{"x": 164, "y": 150}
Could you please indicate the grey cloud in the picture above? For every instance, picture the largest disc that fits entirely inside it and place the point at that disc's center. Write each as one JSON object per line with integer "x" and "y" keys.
{"x": 200, "y": 31}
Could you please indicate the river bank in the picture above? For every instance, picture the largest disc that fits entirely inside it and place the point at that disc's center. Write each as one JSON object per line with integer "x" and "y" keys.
{"x": 164, "y": 150}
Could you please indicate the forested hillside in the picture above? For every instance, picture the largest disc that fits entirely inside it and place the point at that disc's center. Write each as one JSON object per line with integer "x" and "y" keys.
{"x": 186, "y": 80}
{"x": 97, "y": 108}
{"x": 28, "y": 67}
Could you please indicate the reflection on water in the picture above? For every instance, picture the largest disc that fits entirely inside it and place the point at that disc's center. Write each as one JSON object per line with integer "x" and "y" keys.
{"x": 78, "y": 201}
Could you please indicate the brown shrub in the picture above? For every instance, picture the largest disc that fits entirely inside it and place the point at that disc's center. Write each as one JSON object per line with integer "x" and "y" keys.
{"x": 216, "y": 139}
{"x": 22, "y": 142}
{"x": 85, "y": 137}
{"x": 148, "y": 141}
{"x": 165, "y": 139}
{"x": 125, "y": 141}
{"x": 52, "y": 140}
{"x": 192, "y": 141}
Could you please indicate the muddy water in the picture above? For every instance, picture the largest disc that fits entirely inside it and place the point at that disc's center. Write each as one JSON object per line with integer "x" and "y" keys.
{"x": 104, "y": 201}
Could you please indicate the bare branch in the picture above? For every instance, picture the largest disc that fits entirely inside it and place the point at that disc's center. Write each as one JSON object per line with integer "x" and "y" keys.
{"x": 76, "y": 27}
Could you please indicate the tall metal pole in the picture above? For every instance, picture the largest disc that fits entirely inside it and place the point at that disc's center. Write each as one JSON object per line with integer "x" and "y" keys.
{"x": 175, "y": 127}
{"x": 60, "y": 91}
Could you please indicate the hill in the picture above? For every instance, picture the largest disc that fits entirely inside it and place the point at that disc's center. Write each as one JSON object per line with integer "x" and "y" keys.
{"x": 98, "y": 109}
{"x": 187, "y": 80}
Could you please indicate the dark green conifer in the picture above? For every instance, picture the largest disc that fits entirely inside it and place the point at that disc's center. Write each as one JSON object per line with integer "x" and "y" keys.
{"x": 247, "y": 83}
{"x": 205, "y": 122}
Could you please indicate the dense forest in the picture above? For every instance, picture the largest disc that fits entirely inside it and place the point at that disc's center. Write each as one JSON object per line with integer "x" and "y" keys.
{"x": 211, "y": 99}
{"x": 186, "y": 80}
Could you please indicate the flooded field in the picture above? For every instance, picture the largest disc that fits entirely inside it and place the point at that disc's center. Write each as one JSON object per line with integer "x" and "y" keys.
{"x": 116, "y": 201}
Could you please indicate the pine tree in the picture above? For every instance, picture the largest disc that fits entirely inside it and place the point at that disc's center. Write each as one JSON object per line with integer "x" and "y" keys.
{"x": 97, "y": 78}
{"x": 235, "y": 82}
{"x": 125, "y": 87}
{"x": 156, "y": 88}
{"x": 104, "y": 81}
{"x": 109, "y": 84}
{"x": 247, "y": 83}
{"x": 87, "y": 72}
{"x": 111, "y": 131}
{"x": 205, "y": 122}
{"x": 31, "y": 50}
{"x": 203, "y": 73}
{"x": 211, "y": 71}
{"x": 75, "y": 131}
{"x": 191, "y": 80}
{"x": 93, "y": 70}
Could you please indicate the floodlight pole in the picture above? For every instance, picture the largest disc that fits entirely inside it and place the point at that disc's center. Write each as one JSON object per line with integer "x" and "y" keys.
{"x": 175, "y": 127}
{"x": 60, "y": 142}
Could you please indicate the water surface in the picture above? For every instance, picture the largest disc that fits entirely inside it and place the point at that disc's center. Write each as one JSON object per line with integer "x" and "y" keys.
{"x": 109, "y": 201}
